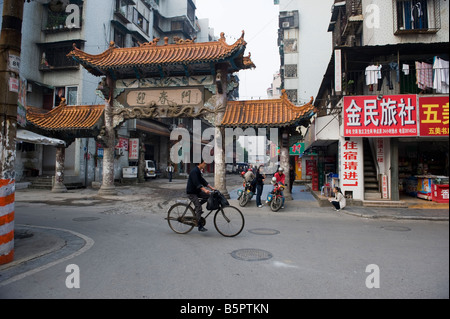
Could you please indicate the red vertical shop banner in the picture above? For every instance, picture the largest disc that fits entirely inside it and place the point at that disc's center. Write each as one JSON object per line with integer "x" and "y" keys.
{"x": 390, "y": 115}
{"x": 351, "y": 163}
{"x": 434, "y": 116}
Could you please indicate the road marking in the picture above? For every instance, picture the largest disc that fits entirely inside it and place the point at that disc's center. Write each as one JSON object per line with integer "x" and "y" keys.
{"x": 89, "y": 242}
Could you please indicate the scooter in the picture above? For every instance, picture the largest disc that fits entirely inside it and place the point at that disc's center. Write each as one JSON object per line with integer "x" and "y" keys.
{"x": 274, "y": 199}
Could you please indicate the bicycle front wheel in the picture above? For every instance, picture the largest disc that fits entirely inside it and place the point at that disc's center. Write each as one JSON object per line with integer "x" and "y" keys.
{"x": 229, "y": 221}
{"x": 181, "y": 218}
{"x": 244, "y": 200}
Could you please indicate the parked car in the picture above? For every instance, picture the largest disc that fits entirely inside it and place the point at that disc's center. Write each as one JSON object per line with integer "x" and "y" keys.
{"x": 150, "y": 169}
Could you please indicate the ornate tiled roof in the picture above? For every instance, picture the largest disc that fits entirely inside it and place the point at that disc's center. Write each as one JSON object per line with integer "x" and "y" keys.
{"x": 151, "y": 58}
{"x": 266, "y": 113}
{"x": 65, "y": 118}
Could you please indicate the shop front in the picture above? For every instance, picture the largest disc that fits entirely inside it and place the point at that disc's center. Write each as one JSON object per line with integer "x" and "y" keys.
{"x": 398, "y": 144}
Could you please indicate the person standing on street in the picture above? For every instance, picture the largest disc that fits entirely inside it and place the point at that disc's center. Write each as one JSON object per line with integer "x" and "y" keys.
{"x": 291, "y": 177}
{"x": 259, "y": 186}
{"x": 170, "y": 170}
{"x": 197, "y": 191}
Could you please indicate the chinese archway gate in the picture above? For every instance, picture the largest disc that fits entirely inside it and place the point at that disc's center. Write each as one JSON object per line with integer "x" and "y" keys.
{"x": 168, "y": 80}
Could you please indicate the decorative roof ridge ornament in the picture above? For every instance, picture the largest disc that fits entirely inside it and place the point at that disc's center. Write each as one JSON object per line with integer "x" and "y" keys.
{"x": 153, "y": 43}
{"x": 180, "y": 41}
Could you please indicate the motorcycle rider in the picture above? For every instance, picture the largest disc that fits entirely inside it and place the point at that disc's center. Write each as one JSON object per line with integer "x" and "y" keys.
{"x": 281, "y": 179}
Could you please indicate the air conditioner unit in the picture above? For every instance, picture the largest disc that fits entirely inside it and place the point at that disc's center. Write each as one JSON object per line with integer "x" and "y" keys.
{"x": 286, "y": 24}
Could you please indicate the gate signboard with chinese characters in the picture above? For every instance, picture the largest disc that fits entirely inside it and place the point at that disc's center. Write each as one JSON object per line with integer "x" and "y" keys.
{"x": 372, "y": 116}
{"x": 434, "y": 116}
{"x": 166, "y": 97}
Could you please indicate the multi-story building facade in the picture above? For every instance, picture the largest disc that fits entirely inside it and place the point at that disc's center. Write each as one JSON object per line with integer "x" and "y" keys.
{"x": 383, "y": 102}
{"x": 51, "y": 29}
{"x": 305, "y": 48}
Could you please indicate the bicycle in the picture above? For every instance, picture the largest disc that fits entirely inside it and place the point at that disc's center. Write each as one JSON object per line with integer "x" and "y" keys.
{"x": 228, "y": 220}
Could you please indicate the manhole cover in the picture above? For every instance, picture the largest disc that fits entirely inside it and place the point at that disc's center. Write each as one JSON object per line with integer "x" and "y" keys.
{"x": 397, "y": 228}
{"x": 250, "y": 254}
{"x": 264, "y": 231}
{"x": 85, "y": 219}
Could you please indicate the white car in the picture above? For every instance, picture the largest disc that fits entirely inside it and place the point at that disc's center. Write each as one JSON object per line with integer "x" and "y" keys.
{"x": 150, "y": 169}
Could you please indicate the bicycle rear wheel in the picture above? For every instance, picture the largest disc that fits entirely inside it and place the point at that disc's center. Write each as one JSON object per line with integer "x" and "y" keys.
{"x": 229, "y": 221}
{"x": 179, "y": 221}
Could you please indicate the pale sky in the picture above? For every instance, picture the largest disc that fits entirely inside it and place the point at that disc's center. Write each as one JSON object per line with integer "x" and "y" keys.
{"x": 259, "y": 20}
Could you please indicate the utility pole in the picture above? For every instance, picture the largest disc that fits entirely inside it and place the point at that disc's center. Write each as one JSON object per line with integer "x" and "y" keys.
{"x": 10, "y": 47}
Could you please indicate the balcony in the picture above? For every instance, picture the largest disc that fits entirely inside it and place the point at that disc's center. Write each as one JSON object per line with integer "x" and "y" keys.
{"x": 57, "y": 18}
{"x": 54, "y": 56}
{"x": 393, "y": 81}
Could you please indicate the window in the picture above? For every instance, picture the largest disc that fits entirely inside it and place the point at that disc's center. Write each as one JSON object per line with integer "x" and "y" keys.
{"x": 119, "y": 38}
{"x": 191, "y": 11}
{"x": 290, "y": 46}
{"x": 416, "y": 16}
{"x": 70, "y": 93}
{"x": 122, "y": 7}
{"x": 292, "y": 95}
{"x": 140, "y": 21}
{"x": 54, "y": 56}
{"x": 290, "y": 70}
{"x": 177, "y": 25}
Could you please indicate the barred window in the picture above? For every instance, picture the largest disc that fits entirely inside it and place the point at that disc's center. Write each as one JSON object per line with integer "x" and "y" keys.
{"x": 292, "y": 95}
{"x": 290, "y": 46}
{"x": 290, "y": 70}
{"x": 416, "y": 16}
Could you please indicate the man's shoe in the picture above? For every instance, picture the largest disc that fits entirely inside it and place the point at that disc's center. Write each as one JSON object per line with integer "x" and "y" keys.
{"x": 202, "y": 229}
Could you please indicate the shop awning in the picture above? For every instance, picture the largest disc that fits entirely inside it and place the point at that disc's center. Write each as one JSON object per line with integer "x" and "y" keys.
{"x": 33, "y": 138}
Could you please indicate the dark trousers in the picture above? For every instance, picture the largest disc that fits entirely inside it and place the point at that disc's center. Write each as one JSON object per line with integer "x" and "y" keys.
{"x": 198, "y": 200}
{"x": 259, "y": 190}
{"x": 170, "y": 176}
{"x": 336, "y": 204}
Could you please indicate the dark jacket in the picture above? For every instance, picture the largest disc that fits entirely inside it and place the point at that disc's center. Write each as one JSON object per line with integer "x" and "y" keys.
{"x": 259, "y": 178}
{"x": 195, "y": 181}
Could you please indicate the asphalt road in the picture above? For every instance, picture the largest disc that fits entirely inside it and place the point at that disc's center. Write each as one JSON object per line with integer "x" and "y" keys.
{"x": 306, "y": 252}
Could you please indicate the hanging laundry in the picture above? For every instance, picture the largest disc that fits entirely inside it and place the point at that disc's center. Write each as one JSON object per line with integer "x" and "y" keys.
{"x": 405, "y": 69}
{"x": 441, "y": 76}
{"x": 373, "y": 73}
{"x": 424, "y": 74}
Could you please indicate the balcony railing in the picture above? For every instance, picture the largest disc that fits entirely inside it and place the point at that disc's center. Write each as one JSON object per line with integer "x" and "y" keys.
{"x": 395, "y": 81}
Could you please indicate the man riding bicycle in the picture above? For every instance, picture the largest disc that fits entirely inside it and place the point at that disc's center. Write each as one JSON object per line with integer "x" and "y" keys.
{"x": 197, "y": 191}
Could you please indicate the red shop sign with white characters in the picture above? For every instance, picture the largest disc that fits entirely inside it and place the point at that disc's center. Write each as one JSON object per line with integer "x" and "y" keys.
{"x": 434, "y": 116}
{"x": 390, "y": 115}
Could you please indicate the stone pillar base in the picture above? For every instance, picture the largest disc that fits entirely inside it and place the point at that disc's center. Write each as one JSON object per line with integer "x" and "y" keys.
{"x": 107, "y": 190}
{"x": 59, "y": 188}
{"x": 225, "y": 193}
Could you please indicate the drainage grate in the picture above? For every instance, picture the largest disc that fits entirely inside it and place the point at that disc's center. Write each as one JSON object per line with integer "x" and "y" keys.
{"x": 396, "y": 228}
{"x": 250, "y": 254}
{"x": 264, "y": 231}
{"x": 85, "y": 219}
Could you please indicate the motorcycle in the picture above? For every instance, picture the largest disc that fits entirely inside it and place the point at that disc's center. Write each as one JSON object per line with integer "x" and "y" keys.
{"x": 245, "y": 195}
{"x": 274, "y": 199}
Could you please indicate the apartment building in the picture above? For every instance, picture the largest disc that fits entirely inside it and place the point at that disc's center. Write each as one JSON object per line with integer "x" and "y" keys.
{"x": 382, "y": 125}
{"x": 305, "y": 48}
{"x": 50, "y": 30}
